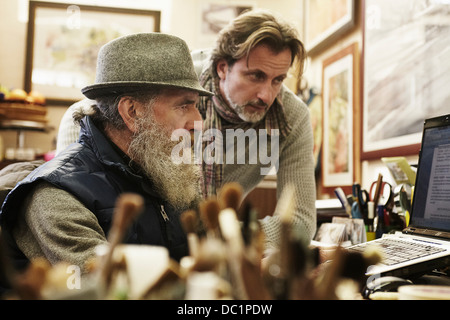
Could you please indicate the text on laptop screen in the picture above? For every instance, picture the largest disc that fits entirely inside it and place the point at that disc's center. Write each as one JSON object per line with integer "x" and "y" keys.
{"x": 432, "y": 195}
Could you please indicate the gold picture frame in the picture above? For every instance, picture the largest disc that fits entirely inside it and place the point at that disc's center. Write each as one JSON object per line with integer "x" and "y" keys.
{"x": 63, "y": 41}
{"x": 341, "y": 113}
{"x": 326, "y": 21}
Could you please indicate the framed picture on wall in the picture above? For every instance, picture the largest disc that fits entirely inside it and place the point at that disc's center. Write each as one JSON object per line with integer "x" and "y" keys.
{"x": 340, "y": 158}
{"x": 326, "y": 21}
{"x": 63, "y": 41}
{"x": 406, "y": 67}
{"x": 215, "y": 15}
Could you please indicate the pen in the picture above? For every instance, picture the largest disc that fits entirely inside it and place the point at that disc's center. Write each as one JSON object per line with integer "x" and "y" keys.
{"x": 378, "y": 189}
{"x": 370, "y": 215}
{"x": 380, "y": 221}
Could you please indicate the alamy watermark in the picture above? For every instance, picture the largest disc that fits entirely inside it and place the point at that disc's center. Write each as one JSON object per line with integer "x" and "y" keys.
{"x": 74, "y": 278}
{"x": 73, "y": 17}
{"x": 241, "y": 147}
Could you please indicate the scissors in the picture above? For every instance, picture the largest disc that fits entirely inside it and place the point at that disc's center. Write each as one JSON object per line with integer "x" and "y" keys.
{"x": 359, "y": 207}
{"x": 385, "y": 193}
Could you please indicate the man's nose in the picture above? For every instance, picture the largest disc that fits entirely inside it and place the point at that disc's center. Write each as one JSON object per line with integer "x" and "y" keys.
{"x": 265, "y": 93}
{"x": 194, "y": 116}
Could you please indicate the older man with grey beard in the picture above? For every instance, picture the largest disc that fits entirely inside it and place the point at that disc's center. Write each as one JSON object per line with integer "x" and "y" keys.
{"x": 146, "y": 88}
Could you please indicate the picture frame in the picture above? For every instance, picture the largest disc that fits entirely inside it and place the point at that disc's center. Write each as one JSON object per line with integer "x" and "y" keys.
{"x": 341, "y": 112}
{"x": 215, "y": 15}
{"x": 326, "y": 21}
{"x": 63, "y": 41}
{"x": 406, "y": 71}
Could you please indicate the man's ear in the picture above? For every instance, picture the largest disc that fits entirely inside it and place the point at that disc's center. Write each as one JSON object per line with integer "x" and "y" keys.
{"x": 222, "y": 68}
{"x": 127, "y": 109}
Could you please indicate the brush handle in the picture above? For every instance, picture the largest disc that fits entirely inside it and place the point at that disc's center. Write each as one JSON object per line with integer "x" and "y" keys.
{"x": 128, "y": 207}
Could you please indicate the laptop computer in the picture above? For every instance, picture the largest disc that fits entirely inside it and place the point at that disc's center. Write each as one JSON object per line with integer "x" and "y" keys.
{"x": 428, "y": 232}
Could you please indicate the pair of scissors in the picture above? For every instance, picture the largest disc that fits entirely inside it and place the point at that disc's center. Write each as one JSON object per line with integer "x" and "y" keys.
{"x": 359, "y": 207}
{"x": 385, "y": 193}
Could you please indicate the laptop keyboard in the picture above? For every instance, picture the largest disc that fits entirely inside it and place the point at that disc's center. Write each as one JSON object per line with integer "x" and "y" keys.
{"x": 397, "y": 251}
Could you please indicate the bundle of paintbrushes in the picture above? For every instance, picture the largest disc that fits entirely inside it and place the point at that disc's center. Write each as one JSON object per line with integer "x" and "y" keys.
{"x": 235, "y": 242}
{"x": 233, "y": 246}
{"x": 227, "y": 260}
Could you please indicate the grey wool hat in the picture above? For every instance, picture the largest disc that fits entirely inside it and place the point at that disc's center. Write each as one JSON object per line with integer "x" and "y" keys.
{"x": 136, "y": 62}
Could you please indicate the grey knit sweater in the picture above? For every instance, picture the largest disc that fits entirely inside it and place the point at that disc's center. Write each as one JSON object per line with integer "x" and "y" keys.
{"x": 296, "y": 168}
{"x": 53, "y": 224}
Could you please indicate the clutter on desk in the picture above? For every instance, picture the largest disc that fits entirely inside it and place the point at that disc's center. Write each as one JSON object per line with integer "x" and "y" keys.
{"x": 326, "y": 209}
{"x": 401, "y": 170}
{"x": 342, "y": 231}
{"x": 332, "y": 234}
{"x": 383, "y": 209}
{"x": 227, "y": 260}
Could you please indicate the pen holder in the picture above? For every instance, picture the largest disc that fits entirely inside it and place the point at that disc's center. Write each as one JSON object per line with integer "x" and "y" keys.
{"x": 388, "y": 221}
{"x": 371, "y": 235}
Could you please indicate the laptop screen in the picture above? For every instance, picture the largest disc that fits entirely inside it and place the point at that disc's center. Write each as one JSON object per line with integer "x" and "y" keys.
{"x": 431, "y": 204}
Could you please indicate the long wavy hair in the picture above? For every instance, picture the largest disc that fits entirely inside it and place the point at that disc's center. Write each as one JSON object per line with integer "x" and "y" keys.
{"x": 255, "y": 27}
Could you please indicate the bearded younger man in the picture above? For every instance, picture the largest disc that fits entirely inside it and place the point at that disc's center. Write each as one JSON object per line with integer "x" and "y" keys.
{"x": 146, "y": 87}
{"x": 245, "y": 71}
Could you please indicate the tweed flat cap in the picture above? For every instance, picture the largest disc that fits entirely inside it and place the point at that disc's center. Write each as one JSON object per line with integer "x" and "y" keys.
{"x": 138, "y": 61}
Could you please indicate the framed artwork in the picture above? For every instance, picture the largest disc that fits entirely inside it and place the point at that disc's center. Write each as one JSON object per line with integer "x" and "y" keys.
{"x": 406, "y": 72}
{"x": 215, "y": 15}
{"x": 63, "y": 41}
{"x": 326, "y": 21}
{"x": 340, "y": 159}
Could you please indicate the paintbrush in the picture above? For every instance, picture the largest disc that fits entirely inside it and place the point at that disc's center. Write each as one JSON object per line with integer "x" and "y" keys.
{"x": 253, "y": 238}
{"x": 189, "y": 221}
{"x": 230, "y": 196}
{"x": 285, "y": 208}
{"x": 128, "y": 207}
{"x": 211, "y": 251}
{"x": 231, "y": 232}
{"x": 243, "y": 260}
{"x": 209, "y": 213}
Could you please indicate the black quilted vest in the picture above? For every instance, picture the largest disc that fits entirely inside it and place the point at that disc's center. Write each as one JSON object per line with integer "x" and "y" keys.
{"x": 94, "y": 172}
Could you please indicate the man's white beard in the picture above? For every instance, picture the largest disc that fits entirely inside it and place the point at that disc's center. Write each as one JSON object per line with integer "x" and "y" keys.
{"x": 151, "y": 148}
